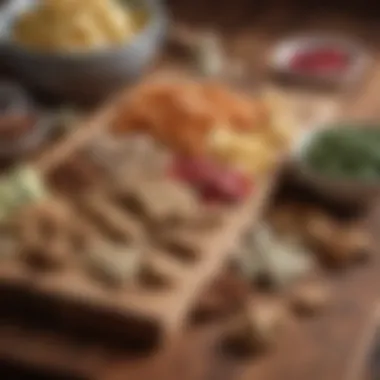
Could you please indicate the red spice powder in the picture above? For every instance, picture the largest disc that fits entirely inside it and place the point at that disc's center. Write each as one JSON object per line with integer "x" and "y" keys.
{"x": 326, "y": 60}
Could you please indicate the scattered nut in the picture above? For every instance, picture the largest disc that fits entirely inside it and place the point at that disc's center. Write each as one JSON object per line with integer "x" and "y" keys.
{"x": 257, "y": 328}
{"x": 287, "y": 218}
{"x": 358, "y": 241}
{"x": 309, "y": 298}
{"x": 320, "y": 228}
{"x": 227, "y": 294}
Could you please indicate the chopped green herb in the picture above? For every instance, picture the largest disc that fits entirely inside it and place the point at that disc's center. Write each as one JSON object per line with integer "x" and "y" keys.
{"x": 346, "y": 153}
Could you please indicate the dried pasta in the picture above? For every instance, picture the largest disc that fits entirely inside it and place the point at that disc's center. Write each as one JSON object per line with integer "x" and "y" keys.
{"x": 71, "y": 25}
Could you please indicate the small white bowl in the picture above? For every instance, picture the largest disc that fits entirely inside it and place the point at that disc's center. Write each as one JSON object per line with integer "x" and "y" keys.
{"x": 283, "y": 53}
{"x": 347, "y": 191}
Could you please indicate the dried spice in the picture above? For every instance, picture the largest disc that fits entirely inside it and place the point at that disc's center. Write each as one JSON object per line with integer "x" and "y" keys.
{"x": 320, "y": 60}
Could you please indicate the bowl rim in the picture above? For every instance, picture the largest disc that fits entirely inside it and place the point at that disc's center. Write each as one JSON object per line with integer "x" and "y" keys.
{"x": 157, "y": 20}
{"x": 302, "y": 145}
{"x": 355, "y": 47}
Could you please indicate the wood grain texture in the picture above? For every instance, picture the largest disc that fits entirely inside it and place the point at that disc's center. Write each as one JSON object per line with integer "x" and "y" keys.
{"x": 316, "y": 349}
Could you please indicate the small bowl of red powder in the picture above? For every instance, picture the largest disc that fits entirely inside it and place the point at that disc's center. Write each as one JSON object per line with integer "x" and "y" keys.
{"x": 325, "y": 60}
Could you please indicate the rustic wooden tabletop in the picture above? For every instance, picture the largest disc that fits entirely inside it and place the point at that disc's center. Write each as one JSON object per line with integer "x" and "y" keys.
{"x": 323, "y": 348}
{"x": 320, "y": 348}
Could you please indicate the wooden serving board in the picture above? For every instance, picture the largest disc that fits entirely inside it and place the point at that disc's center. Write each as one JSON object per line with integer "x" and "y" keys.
{"x": 82, "y": 306}
{"x": 136, "y": 311}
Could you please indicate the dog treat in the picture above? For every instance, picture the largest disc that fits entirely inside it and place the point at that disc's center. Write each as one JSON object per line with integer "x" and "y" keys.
{"x": 164, "y": 200}
{"x": 181, "y": 242}
{"x": 116, "y": 265}
{"x": 116, "y": 223}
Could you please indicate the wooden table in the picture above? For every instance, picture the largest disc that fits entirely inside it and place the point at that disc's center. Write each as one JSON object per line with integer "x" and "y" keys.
{"x": 316, "y": 349}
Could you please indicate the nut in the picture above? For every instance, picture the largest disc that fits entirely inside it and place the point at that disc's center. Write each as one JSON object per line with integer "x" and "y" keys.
{"x": 309, "y": 298}
{"x": 258, "y": 327}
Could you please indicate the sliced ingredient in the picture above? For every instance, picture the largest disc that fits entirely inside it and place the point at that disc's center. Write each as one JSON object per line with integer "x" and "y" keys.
{"x": 212, "y": 181}
{"x": 246, "y": 151}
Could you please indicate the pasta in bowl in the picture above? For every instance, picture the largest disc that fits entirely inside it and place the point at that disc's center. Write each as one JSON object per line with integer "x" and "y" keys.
{"x": 80, "y": 50}
{"x": 75, "y": 26}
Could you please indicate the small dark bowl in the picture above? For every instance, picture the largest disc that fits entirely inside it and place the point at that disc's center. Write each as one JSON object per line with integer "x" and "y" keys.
{"x": 83, "y": 76}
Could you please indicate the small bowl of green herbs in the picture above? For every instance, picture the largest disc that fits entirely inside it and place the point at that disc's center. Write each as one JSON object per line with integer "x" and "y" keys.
{"x": 342, "y": 161}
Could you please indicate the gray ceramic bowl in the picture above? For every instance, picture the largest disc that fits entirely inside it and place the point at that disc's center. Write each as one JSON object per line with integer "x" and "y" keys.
{"x": 346, "y": 191}
{"x": 88, "y": 75}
